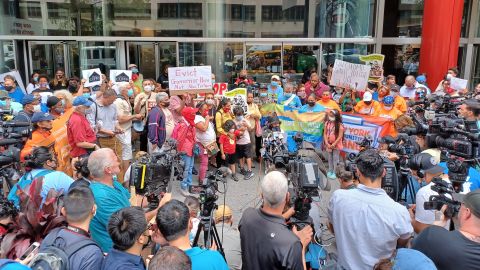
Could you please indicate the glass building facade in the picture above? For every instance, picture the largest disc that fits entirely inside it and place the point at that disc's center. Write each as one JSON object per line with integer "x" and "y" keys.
{"x": 264, "y": 37}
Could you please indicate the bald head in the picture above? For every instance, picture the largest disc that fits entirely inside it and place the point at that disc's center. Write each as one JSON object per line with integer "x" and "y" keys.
{"x": 410, "y": 81}
{"x": 99, "y": 160}
{"x": 274, "y": 189}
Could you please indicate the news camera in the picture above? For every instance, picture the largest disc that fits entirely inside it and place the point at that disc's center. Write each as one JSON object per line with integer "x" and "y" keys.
{"x": 420, "y": 128}
{"x": 152, "y": 175}
{"x": 436, "y": 202}
{"x": 274, "y": 149}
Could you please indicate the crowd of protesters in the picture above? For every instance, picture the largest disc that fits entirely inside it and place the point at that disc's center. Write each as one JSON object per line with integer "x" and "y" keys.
{"x": 111, "y": 125}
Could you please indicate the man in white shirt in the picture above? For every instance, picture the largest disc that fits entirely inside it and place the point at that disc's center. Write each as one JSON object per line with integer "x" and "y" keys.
{"x": 368, "y": 225}
{"x": 410, "y": 87}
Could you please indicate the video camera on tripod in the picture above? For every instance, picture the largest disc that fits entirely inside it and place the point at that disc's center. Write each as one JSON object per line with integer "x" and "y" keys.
{"x": 436, "y": 202}
{"x": 152, "y": 175}
{"x": 274, "y": 149}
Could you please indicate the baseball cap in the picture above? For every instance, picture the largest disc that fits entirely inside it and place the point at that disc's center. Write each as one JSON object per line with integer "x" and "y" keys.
{"x": 421, "y": 79}
{"x": 429, "y": 164}
{"x": 81, "y": 100}
{"x": 223, "y": 210}
{"x": 436, "y": 153}
{"x": 367, "y": 96}
{"x": 3, "y": 94}
{"x": 388, "y": 100}
{"x": 41, "y": 116}
{"x": 52, "y": 101}
{"x": 27, "y": 99}
{"x": 275, "y": 77}
{"x": 472, "y": 202}
{"x": 407, "y": 259}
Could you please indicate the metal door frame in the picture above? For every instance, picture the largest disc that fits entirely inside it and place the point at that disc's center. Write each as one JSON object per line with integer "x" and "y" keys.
{"x": 156, "y": 53}
{"x": 66, "y": 57}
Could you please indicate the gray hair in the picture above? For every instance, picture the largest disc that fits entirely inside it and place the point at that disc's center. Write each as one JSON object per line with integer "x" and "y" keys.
{"x": 289, "y": 86}
{"x": 123, "y": 85}
{"x": 274, "y": 187}
{"x": 98, "y": 161}
{"x": 109, "y": 92}
{"x": 162, "y": 96}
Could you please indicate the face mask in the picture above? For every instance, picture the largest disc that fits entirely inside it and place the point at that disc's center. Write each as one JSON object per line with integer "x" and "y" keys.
{"x": 37, "y": 108}
{"x": 274, "y": 83}
{"x": 324, "y": 99}
{"x": 367, "y": 102}
{"x": 8, "y": 88}
{"x": 72, "y": 88}
{"x": 287, "y": 95}
{"x": 148, "y": 88}
{"x": 130, "y": 92}
{"x": 394, "y": 94}
{"x": 60, "y": 110}
{"x": 388, "y": 108}
{"x": 205, "y": 113}
{"x": 311, "y": 103}
{"x": 134, "y": 70}
{"x": 449, "y": 76}
{"x": 87, "y": 95}
{"x": 263, "y": 94}
{"x": 226, "y": 110}
{"x": 35, "y": 79}
{"x": 275, "y": 128}
{"x": 331, "y": 118}
{"x": 231, "y": 130}
{"x": 339, "y": 91}
{"x": 210, "y": 101}
{"x": 213, "y": 81}
{"x": 88, "y": 111}
{"x": 43, "y": 85}
{"x": 63, "y": 102}
{"x": 239, "y": 118}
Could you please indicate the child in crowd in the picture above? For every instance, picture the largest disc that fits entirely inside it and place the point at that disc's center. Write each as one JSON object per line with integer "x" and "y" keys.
{"x": 243, "y": 148}
{"x": 193, "y": 205}
{"x": 333, "y": 140}
{"x": 228, "y": 145}
{"x": 345, "y": 177}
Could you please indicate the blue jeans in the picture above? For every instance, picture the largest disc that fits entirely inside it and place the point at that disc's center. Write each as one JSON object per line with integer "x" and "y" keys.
{"x": 187, "y": 174}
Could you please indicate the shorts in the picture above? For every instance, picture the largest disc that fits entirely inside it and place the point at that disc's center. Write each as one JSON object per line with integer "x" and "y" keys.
{"x": 231, "y": 158}
{"x": 244, "y": 150}
{"x": 126, "y": 140}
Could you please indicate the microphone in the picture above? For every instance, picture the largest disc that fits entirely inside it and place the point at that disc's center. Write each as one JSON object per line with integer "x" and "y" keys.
{"x": 4, "y": 142}
{"x": 15, "y": 124}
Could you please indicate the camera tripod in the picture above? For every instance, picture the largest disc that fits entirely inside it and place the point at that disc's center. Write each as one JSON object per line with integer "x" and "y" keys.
{"x": 210, "y": 233}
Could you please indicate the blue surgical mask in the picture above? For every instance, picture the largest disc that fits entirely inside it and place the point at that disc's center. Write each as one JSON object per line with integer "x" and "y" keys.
{"x": 287, "y": 95}
{"x": 263, "y": 94}
{"x": 134, "y": 70}
{"x": 87, "y": 95}
{"x": 274, "y": 83}
{"x": 130, "y": 92}
{"x": 35, "y": 79}
{"x": 213, "y": 81}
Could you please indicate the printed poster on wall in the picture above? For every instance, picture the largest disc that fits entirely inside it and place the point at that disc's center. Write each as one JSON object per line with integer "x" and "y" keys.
{"x": 119, "y": 76}
{"x": 375, "y": 61}
{"x": 93, "y": 77}
{"x": 238, "y": 97}
{"x": 354, "y": 75}
{"x": 196, "y": 79}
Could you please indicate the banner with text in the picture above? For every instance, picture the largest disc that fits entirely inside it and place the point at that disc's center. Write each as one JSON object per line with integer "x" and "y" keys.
{"x": 92, "y": 77}
{"x": 357, "y": 127}
{"x": 354, "y": 75}
{"x": 120, "y": 76}
{"x": 375, "y": 61}
{"x": 196, "y": 79}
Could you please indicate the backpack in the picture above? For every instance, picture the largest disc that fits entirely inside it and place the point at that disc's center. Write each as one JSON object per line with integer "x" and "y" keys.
{"x": 55, "y": 258}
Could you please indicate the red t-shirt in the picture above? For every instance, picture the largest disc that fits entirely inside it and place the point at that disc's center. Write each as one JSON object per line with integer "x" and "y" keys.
{"x": 228, "y": 144}
{"x": 79, "y": 130}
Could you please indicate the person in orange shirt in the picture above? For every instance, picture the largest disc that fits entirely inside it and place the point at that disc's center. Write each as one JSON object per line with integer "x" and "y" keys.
{"x": 399, "y": 101}
{"x": 41, "y": 135}
{"x": 387, "y": 109}
{"x": 367, "y": 106}
{"x": 327, "y": 102}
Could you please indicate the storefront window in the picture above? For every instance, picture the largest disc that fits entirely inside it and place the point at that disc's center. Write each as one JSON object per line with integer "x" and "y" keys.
{"x": 403, "y": 60}
{"x": 345, "y": 18}
{"x": 403, "y": 18}
{"x": 7, "y": 56}
{"x": 348, "y": 52}
{"x": 298, "y": 59}
{"x": 263, "y": 60}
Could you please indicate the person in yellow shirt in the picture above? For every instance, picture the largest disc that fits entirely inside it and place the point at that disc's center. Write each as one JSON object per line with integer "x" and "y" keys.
{"x": 253, "y": 117}
{"x": 387, "y": 109}
{"x": 399, "y": 101}
{"x": 367, "y": 106}
{"x": 327, "y": 102}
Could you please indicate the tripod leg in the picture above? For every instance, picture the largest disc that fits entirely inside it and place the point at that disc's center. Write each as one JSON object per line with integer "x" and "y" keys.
{"x": 216, "y": 238}
{"x": 197, "y": 235}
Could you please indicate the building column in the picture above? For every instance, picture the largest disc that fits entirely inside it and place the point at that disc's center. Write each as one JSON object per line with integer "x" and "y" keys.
{"x": 442, "y": 23}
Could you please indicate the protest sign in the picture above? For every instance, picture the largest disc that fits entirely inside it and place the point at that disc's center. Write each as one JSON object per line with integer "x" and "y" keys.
{"x": 357, "y": 127}
{"x": 17, "y": 77}
{"x": 238, "y": 97}
{"x": 218, "y": 89}
{"x": 458, "y": 84}
{"x": 119, "y": 76}
{"x": 196, "y": 79}
{"x": 354, "y": 75}
{"x": 375, "y": 61}
{"x": 92, "y": 77}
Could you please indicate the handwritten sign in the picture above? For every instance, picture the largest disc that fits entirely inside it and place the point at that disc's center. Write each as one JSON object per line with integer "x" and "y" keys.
{"x": 16, "y": 75}
{"x": 218, "y": 89}
{"x": 93, "y": 77}
{"x": 238, "y": 97}
{"x": 458, "y": 84}
{"x": 196, "y": 79}
{"x": 354, "y": 75}
{"x": 375, "y": 61}
{"x": 119, "y": 76}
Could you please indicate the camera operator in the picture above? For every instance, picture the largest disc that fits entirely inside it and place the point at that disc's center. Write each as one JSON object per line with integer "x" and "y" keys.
{"x": 284, "y": 249}
{"x": 41, "y": 163}
{"x": 367, "y": 223}
{"x": 427, "y": 170}
{"x": 470, "y": 111}
{"x": 383, "y": 147}
{"x": 458, "y": 249}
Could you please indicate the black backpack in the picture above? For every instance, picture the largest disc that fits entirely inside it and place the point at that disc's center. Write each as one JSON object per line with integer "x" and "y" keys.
{"x": 54, "y": 258}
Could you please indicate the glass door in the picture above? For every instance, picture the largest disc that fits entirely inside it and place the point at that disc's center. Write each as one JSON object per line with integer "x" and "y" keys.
{"x": 263, "y": 61}
{"x": 46, "y": 57}
{"x": 98, "y": 54}
{"x": 150, "y": 57}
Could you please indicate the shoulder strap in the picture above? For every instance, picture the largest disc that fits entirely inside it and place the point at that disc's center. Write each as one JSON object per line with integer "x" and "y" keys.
{"x": 289, "y": 100}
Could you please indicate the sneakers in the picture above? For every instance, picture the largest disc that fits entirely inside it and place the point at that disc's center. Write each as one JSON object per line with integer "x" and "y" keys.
{"x": 248, "y": 175}
{"x": 234, "y": 177}
{"x": 331, "y": 175}
{"x": 243, "y": 171}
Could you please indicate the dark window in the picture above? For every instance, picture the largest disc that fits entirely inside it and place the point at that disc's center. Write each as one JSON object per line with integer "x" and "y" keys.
{"x": 249, "y": 13}
{"x": 296, "y": 13}
{"x": 34, "y": 10}
{"x": 57, "y": 10}
{"x": 180, "y": 10}
{"x": 167, "y": 11}
{"x": 271, "y": 13}
{"x": 236, "y": 12}
{"x": 138, "y": 11}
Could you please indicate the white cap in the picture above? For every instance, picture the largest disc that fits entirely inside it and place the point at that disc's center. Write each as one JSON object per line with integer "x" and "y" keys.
{"x": 276, "y": 77}
{"x": 367, "y": 96}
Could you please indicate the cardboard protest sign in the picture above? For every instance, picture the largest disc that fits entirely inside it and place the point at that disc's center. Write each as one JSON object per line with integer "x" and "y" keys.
{"x": 218, "y": 89}
{"x": 354, "y": 75}
{"x": 238, "y": 97}
{"x": 119, "y": 76}
{"x": 17, "y": 77}
{"x": 196, "y": 79}
{"x": 375, "y": 61}
{"x": 93, "y": 77}
{"x": 458, "y": 84}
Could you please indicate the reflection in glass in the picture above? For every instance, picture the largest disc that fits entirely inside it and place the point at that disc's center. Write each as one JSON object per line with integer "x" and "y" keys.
{"x": 46, "y": 58}
{"x": 344, "y": 18}
{"x": 143, "y": 55}
{"x": 299, "y": 59}
{"x": 98, "y": 55}
{"x": 263, "y": 61}
{"x": 403, "y": 18}
{"x": 7, "y": 56}
{"x": 403, "y": 60}
{"x": 467, "y": 6}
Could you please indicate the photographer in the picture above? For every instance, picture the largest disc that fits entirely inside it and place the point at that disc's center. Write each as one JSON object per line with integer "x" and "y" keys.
{"x": 41, "y": 163}
{"x": 458, "y": 249}
{"x": 381, "y": 222}
{"x": 284, "y": 249}
{"x": 427, "y": 170}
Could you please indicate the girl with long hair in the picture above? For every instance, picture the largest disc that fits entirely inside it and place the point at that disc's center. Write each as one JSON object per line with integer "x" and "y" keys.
{"x": 333, "y": 131}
